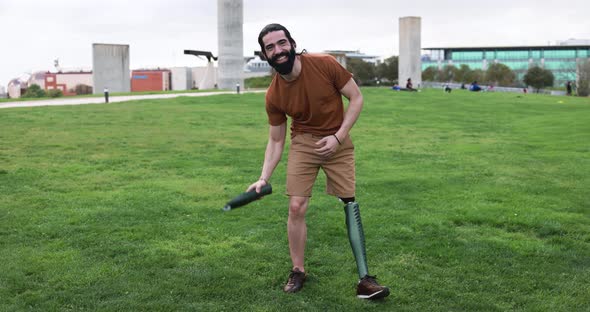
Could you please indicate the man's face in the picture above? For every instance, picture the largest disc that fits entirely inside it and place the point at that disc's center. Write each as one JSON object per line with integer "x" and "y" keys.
{"x": 279, "y": 52}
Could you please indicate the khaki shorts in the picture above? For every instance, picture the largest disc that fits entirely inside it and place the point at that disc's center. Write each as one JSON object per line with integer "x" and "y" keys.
{"x": 304, "y": 163}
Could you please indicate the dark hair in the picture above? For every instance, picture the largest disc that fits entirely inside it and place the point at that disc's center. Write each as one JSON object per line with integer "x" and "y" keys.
{"x": 270, "y": 28}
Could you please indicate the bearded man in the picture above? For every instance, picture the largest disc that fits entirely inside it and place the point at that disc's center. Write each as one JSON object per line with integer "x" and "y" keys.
{"x": 309, "y": 88}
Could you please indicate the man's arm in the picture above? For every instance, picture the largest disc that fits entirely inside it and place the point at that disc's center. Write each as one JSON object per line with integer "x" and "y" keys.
{"x": 329, "y": 144}
{"x": 352, "y": 92}
{"x": 272, "y": 156}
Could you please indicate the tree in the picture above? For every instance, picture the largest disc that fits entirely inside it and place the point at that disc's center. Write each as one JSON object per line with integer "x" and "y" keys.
{"x": 430, "y": 74}
{"x": 583, "y": 78}
{"x": 34, "y": 91}
{"x": 448, "y": 73}
{"x": 363, "y": 72}
{"x": 388, "y": 70}
{"x": 538, "y": 78}
{"x": 500, "y": 74}
{"x": 475, "y": 75}
{"x": 463, "y": 74}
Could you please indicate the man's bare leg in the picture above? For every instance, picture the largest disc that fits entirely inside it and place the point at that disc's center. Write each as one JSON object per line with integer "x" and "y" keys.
{"x": 297, "y": 230}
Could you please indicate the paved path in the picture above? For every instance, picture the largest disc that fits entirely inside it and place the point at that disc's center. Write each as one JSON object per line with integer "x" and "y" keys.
{"x": 112, "y": 99}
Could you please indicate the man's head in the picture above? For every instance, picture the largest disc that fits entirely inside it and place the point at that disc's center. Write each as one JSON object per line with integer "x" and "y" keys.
{"x": 278, "y": 47}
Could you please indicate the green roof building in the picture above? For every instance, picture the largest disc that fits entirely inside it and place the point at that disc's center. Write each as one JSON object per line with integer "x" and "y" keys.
{"x": 560, "y": 59}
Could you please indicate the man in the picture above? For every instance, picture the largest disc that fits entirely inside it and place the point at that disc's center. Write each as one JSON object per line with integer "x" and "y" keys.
{"x": 308, "y": 88}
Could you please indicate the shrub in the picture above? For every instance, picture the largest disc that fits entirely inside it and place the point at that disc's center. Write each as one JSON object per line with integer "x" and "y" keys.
{"x": 34, "y": 91}
{"x": 54, "y": 93}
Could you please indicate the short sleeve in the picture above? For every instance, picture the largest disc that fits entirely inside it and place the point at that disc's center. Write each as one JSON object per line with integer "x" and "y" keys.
{"x": 339, "y": 73}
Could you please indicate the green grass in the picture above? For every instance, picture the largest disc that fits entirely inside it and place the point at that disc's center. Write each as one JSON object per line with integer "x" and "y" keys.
{"x": 21, "y": 99}
{"x": 470, "y": 202}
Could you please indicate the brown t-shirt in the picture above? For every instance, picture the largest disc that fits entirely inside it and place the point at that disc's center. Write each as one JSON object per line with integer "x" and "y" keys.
{"x": 313, "y": 100}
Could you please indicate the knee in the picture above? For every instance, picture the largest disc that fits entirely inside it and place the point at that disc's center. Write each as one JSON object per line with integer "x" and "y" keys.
{"x": 297, "y": 209}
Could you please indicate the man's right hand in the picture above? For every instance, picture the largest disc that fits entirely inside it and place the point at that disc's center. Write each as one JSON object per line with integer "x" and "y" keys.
{"x": 256, "y": 186}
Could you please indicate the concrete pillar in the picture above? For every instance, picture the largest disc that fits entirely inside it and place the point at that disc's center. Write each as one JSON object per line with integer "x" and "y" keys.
{"x": 410, "y": 65}
{"x": 110, "y": 68}
{"x": 230, "y": 20}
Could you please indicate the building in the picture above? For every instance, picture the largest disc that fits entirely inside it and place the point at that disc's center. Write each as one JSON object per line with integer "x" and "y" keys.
{"x": 561, "y": 59}
{"x": 342, "y": 56}
{"x": 37, "y": 78}
{"x": 69, "y": 82}
{"x": 150, "y": 80}
{"x": 16, "y": 88}
{"x": 257, "y": 64}
{"x": 181, "y": 78}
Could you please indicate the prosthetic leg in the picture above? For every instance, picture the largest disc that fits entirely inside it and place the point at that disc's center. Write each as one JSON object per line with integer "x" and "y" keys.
{"x": 356, "y": 235}
{"x": 367, "y": 287}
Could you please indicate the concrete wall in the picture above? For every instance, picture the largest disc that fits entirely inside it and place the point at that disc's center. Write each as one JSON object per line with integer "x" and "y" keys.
{"x": 110, "y": 68}
{"x": 410, "y": 65}
{"x": 230, "y": 19}
{"x": 182, "y": 78}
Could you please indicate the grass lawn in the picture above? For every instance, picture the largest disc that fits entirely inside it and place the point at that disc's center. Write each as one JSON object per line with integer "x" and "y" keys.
{"x": 21, "y": 99}
{"x": 470, "y": 202}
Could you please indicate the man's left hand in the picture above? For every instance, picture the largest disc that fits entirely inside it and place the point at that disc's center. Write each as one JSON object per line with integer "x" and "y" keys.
{"x": 327, "y": 146}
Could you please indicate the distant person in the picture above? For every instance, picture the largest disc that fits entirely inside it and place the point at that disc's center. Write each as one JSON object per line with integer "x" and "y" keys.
{"x": 396, "y": 87}
{"x": 568, "y": 87}
{"x": 447, "y": 89}
{"x": 410, "y": 86}
{"x": 525, "y": 90}
{"x": 490, "y": 88}
{"x": 463, "y": 86}
{"x": 474, "y": 87}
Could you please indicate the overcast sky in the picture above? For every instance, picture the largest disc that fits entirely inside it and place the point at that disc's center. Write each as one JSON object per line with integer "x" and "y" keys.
{"x": 36, "y": 32}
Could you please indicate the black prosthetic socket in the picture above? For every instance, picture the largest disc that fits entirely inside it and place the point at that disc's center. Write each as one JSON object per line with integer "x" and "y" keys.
{"x": 346, "y": 200}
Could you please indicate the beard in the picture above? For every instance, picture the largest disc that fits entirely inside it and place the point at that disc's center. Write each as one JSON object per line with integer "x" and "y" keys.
{"x": 286, "y": 67}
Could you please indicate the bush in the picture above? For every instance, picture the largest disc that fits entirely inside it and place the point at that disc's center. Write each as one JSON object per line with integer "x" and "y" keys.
{"x": 54, "y": 93}
{"x": 34, "y": 91}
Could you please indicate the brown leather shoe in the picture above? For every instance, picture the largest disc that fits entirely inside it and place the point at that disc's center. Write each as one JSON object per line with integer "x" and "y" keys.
{"x": 368, "y": 288}
{"x": 295, "y": 281}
